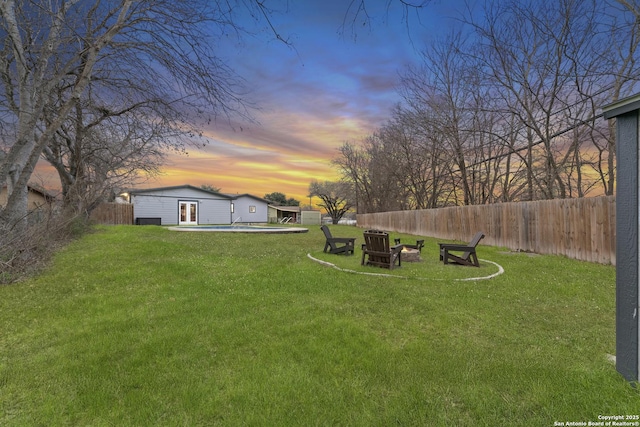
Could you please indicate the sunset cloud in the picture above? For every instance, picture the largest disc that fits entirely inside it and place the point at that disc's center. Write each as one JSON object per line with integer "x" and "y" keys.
{"x": 311, "y": 96}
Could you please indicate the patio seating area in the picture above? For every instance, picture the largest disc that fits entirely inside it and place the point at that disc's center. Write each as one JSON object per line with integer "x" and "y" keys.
{"x": 377, "y": 250}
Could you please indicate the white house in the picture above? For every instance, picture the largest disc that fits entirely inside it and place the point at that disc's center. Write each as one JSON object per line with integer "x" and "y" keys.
{"x": 189, "y": 205}
{"x": 181, "y": 205}
{"x": 246, "y": 208}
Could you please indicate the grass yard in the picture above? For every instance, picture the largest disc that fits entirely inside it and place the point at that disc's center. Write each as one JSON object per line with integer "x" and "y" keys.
{"x": 142, "y": 326}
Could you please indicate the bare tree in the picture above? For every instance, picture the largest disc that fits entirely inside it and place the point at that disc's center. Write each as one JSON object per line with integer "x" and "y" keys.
{"x": 404, "y": 170}
{"x": 544, "y": 58}
{"x": 448, "y": 93}
{"x": 617, "y": 64}
{"x": 98, "y": 151}
{"x": 510, "y": 117}
{"x": 35, "y": 57}
{"x": 375, "y": 170}
{"x": 127, "y": 53}
{"x": 353, "y": 164}
{"x": 358, "y": 13}
{"x": 336, "y": 197}
{"x": 529, "y": 66}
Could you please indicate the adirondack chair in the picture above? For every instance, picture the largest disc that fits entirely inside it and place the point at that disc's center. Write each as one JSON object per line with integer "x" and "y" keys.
{"x": 378, "y": 252}
{"x": 338, "y": 245}
{"x": 468, "y": 256}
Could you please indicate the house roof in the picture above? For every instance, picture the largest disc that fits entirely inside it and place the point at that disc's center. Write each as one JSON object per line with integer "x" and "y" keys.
{"x": 38, "y": 190}
{"x": 286, "y": 208}
{"x": 622, "y": 106}
{"x": 237, "y": 196}
{"x": 44, "y": 193}
{"x": 177, "y": 187}
{"x": 191, "y": 187}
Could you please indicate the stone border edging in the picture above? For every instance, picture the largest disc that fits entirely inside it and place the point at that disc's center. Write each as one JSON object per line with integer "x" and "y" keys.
{"x": 491, "y": 276}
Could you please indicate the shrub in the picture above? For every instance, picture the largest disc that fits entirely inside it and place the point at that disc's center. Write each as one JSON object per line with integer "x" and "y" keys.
{"x": 26, "y": 251}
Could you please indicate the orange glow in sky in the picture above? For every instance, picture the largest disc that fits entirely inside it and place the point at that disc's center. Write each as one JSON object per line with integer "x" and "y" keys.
{"x": 311, "y": 97}
{"x": 285, "y": 156}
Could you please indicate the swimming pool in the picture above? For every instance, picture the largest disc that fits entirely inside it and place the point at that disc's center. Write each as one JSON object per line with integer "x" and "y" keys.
{"x": 241, "y": 229}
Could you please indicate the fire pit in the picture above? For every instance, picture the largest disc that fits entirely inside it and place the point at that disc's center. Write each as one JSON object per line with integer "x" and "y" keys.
{"x": 410, "y": 255}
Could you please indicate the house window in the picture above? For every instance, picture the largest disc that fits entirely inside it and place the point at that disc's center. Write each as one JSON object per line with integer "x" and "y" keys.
{"x": 231, "y": 207}
{"x": 252, "y": 209}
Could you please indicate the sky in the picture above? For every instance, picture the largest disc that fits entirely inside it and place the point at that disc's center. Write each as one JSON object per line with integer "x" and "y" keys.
{"x": 323, "y": 90}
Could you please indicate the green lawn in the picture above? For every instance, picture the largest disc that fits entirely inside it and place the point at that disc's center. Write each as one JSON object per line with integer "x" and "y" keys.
{"x": 142, "y": 326}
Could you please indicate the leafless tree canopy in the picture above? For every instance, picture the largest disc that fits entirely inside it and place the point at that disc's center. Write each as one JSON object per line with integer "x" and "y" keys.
{"x": 336, "y": 197}
{"x": 102, "y": 88}
{"x": 358, "y": 15}
{"x": 505, "y": 108}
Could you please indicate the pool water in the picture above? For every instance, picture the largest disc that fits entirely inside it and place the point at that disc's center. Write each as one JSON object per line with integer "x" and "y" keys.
{"x": 241, "y": 229}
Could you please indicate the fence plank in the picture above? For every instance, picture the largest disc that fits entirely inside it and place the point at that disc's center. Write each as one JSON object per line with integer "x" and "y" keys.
{"x": 113, "y": 214}
{"x": 582, "y": 228}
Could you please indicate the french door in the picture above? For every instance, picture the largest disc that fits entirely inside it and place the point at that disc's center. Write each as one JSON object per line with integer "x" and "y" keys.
{"x": 188, "y": 213}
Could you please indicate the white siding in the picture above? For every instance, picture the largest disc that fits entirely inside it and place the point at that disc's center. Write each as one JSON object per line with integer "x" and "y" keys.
{"x": 211, "y": 211}
{"x": 241, "y": 211}
{"x": 164, "y": 204}
{"x": 151, "y": 206}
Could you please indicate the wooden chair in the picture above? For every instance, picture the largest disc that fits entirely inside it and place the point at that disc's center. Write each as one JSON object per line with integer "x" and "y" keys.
{"x": 338, "y": 245}
{"x": 468, "y": 256}
{"x": 377, "y": 249}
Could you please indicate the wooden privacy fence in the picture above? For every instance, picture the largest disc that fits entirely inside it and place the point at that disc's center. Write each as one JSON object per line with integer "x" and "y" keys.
{"x": 113, "y": 214}
{"x": 583, "y": 229}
